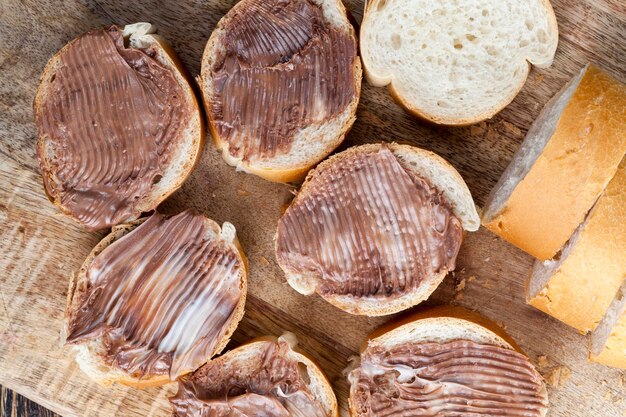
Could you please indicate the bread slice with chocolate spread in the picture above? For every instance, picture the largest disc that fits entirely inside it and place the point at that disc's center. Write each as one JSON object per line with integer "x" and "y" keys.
{"x": 281, "y": 82}
{"x": 376, "y": 228}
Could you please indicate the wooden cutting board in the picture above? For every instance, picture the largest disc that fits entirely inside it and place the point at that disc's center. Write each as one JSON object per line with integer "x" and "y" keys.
{"x": 39, "y": 249}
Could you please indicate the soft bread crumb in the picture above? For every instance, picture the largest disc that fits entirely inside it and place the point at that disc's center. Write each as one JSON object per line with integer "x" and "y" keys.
{"x": 466, "y": 60}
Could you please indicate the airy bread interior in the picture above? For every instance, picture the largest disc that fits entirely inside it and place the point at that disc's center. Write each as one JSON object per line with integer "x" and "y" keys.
{"x": 439, "y": 173}
{"x": 531, "y": 148}
{"x": 188, "y": 146}
{"x": 89, "y": 353}
{"x": 312, "y": 143}
{"x": 456, "y": 62}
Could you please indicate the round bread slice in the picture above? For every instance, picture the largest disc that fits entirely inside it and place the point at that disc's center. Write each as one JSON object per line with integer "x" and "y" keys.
{"x": 438, "y": 330}
{"x": 250, "y": 370}
{"x": 107, "y": 156}
{"x": 455, "y": 63}
{"x": 281, "y": 82}
{"x": 194, "y": 283}
{"x": 354, "y": 231}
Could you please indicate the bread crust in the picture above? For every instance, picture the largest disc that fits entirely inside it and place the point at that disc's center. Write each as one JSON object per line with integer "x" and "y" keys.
{"x": 581, "y": 288}
{"x": 170, "y": 59}
{"x": 572, "y": 178}
{"x": 87, "y": 352}
{"x": 482, "y": 329}
{"x": 608, "y": 341}
{"x": 377, "y": 307}
{"x": 424, "y": 115}
{"x": 288, "y": 173}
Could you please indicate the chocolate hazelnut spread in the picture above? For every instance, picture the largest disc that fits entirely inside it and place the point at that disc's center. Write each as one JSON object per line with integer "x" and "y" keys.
{"x": 268, "y": 384}
{"x": 161, "y": 297}
{"x": 281, "y": 67}
{"x": 456, "y": 378}
{"x": 109, "y": 119}
{"x": 369, "y": 228}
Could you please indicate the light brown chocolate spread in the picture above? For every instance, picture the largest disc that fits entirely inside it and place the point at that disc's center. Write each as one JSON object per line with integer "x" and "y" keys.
{"x": 160, "y": 297}
{"x": 369, "y": 228}
{"x": 457, "y": 378}
{"x": 109, "y": 119}
{"x": 265, "y": 385}
{"x": 281, "y": 67}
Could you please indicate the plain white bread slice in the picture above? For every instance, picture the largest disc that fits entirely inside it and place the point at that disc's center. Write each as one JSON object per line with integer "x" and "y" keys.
{"x": 458, "y": 62}
{"x": 440, "y": 324}
{"x": 188, "y": 147}
{"x": 440, "y": 174}
{"x": 608, "y": 340}
{"x": 89, "y": 353}
{"x": 578, "y": 287}
{"x": 312, "y": 143}
{"x": 243, "y": 360}
{"x": 568, "y": 157}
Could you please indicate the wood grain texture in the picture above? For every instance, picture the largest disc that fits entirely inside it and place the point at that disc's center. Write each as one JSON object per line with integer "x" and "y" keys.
{"x": 41, "y": 248}
{"x": 14, "y": 405}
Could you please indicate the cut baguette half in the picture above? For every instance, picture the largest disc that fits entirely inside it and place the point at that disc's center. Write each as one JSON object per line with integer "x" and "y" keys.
{"x": 309, "y": 144}
{"x": 420, "y": 163}
{"x": 608, "y": 340}
{"x": 243, "y": 361}
{"x": 455, "y": 63}
{"x": 186, "y": 148}
{"x": 436, "y": 325}
{"x": 90, "y": 353}
{"x": 578, "y": 287}
{"x": 569, "y": 155}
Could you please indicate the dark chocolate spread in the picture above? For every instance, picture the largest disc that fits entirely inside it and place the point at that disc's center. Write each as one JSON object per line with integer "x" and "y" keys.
{"x": 160, "y": 297}
{"x": 456, "y": 378}
{"x": 268, "y": 384}
{"x": 369, "y": 228}
{"x": 281, "y": 67}
{"x": 109, "y": 118}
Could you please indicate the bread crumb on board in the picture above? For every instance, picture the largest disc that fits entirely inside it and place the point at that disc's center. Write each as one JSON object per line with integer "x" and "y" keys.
{"x": 558, "y": 376}
{"x": 478, "y": 129}
{"x": 542, "y": 361}
{"x": 511, "y": 128}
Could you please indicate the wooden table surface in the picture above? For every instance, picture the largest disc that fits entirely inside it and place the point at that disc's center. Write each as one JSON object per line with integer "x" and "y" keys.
{"x": 13, "y": 404}
{"x": 40, "y": 248}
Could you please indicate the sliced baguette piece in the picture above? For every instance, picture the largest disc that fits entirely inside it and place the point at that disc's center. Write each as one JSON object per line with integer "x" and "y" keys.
{"x": 419, "y": 163}
{"x": 435, "y": 325}
{"x": 578, "y": 287}
{"x": 608, "y": 340}
{"x": 455, "y": 63}
{"x": 569, "y": 155}
{"x": 309, "y": 144}
{"x": 188, "y": 146}
{"x": 89, "y": 354}
{"x": 244, "y": 362}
